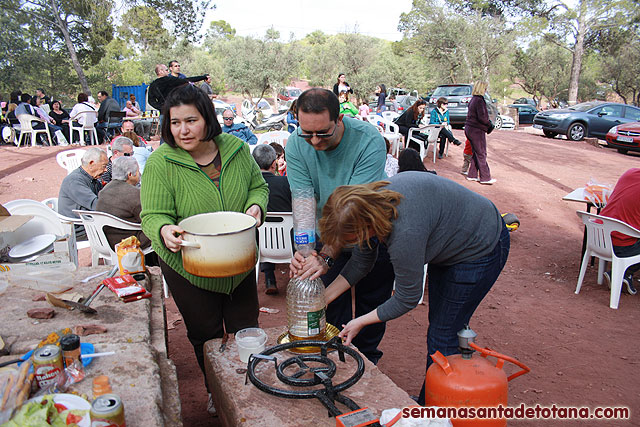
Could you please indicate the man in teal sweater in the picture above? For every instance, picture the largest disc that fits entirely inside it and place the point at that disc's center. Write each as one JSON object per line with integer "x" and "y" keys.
{"x": 329, "y": 150}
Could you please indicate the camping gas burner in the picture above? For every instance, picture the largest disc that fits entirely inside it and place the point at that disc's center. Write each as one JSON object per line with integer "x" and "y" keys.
{"x": 322, "y": 375}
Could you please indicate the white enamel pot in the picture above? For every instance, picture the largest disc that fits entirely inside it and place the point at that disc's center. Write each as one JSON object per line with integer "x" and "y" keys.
{"x": 218, "y": 244}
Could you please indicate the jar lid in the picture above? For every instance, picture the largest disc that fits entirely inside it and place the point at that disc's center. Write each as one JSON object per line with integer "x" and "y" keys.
{"x": 70, "y": 342}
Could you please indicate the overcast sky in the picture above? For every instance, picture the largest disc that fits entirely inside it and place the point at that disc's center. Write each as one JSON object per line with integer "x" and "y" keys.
{"x": 377, "y": 18}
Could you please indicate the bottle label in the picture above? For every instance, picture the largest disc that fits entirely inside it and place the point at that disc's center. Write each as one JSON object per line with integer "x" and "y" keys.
{"x": 304, "y": 237}
{"x": 313, "y": 321}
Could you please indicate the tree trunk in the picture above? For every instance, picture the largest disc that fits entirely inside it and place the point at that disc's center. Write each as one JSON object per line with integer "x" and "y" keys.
{"x": 578, "y": 51}
{"x": 62, "y": 25}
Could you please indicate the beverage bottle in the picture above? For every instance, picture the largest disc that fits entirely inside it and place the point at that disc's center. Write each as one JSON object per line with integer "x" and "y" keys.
{"x": 304, "y": 219}
{"x": 305, "y": 297}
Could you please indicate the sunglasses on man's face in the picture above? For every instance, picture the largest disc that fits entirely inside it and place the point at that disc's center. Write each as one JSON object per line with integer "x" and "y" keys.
{"x": 227, "y": 118}
{"x": 127, "y": 154}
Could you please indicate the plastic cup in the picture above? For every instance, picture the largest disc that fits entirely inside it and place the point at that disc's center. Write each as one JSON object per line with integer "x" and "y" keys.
{"x": 250, "y": 341}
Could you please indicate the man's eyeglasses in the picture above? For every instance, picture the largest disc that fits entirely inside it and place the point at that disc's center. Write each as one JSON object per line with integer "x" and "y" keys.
{"x": 127, "y": 154}
{"x": 227, "y": 118}
{"x": 319, "y": 135}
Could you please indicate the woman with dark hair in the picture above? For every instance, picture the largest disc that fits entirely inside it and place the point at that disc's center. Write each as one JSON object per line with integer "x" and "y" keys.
{"x": 199, "y": 169}
{"x": 292, "y": 114}
{"x": 381, "y": 93}
{"x": 409, "y": 160}
{"x": 476, "y": 128}
{"x": 281, "y": 160}
{"x": 411, "y": 119}
{"x": 341, "y": 85}
{"x": 422, "y": 219}
{"x": 440, "y": 116}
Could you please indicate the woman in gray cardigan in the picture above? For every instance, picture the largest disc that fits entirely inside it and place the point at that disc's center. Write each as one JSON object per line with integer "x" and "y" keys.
{"x": 423, "y": 219}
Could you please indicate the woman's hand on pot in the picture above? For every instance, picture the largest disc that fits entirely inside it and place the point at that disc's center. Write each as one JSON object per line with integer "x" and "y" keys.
{"x": 256, "y": 212}
{"x": 171, "y": 236}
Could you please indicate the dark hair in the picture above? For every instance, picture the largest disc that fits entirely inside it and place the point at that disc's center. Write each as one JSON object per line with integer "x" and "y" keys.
{"x": 383, "y": 88}
{"x": 317, "y": 100}
{"x": 34, "y": 101}
{"x": 172, "y": 62}
{"x": 294, "y": 108}
{"x": 414, "y": 107}
{"x": 409, "y": 160}
{"x": 83, "y": 97}
{"x": 56, "y": 101}
{"x": 340, "y": 74}
{"x": 279, "y": 149}
{"x": 441, "y": 100}
{"x": 387, "y": 143}
{"x": 25, "y": 97}
{"x": 103, "y": 93}
{"x": 188, "y": 94}
{"x": 15, "y": 96}
{"x": 41, "y": 90}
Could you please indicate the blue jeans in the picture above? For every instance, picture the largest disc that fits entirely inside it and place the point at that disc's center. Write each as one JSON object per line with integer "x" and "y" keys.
{"x": 627, "y": 251}
{"x": 455, "y": 291}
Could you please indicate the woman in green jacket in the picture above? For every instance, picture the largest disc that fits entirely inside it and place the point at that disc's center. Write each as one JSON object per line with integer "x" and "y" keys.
{"x": 198, "y": 170}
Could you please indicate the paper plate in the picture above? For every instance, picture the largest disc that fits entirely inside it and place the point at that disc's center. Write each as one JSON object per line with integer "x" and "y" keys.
{"x": 85, "y": 348}
{"x": 32, "y": 246}
{"x": 70, "y": 401}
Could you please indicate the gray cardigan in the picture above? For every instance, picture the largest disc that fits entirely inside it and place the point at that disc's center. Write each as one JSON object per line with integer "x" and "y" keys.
{"x": 439, "y": 222}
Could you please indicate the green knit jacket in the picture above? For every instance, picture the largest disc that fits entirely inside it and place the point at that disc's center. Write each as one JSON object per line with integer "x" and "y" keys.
{"x": 174, "y": 188}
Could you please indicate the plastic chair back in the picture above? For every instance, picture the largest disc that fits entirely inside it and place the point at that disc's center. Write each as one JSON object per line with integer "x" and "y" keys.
{"x": 70, "y": 159}
{"x": 274, "y": 237}
{"x": 94, "y": 223}
{"x": 390, "y": 115}
{"x": 279, "y": 136}
{"x": 26, "y": 128}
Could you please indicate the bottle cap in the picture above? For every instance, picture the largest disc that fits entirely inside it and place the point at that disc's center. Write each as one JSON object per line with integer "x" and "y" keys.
{"x": 70, "y": 342}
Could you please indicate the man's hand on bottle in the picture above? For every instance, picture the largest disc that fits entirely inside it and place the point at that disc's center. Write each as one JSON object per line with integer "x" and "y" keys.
{"x": 312, "y": 266}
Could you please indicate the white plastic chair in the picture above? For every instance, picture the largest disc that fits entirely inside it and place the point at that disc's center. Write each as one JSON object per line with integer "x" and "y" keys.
{"x": 274, "y": 238}
{"x": 599, "y": 244}
{"x": 392, "y": 133}
{"x": 279, "y": 136}
{"x": 432, "y": 139}
{"x": 390, "y": 115}
{"x": 89, "y": 119}
{"x": 26, "y": 128}
{"x": 93, "y": 223}
{"x": 70, "y": 160}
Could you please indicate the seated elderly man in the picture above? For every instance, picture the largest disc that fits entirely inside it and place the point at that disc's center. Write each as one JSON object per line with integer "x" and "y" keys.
{"x": 79, "y": 189}
{"x": 121, "y": 146}
{"x": 141, "y": 151}
{"x": 279, "y": 201}
{"x": 121, "y": 198}
{"x": 237, "y": 129}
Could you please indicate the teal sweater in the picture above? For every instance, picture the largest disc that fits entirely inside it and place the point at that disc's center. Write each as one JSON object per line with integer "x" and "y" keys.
{"x": 359, "y": 159}
{"x": 174, "y": 188}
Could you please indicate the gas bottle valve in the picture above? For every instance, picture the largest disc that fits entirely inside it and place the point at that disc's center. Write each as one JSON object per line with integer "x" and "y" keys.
{"x": 466, "y": 336}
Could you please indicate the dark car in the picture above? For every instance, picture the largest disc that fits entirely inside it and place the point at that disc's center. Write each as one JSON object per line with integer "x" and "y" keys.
{"x": 529, "y": 101}
{"x": 624, "y": 137}
{"x": 458, "y": 97}
{"x": 526, "y": 113}
{"x": 404, "y": 102}
{"x": 593, "y": 118}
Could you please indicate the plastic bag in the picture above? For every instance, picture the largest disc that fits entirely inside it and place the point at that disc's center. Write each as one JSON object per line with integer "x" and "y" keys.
{"x": 393, "y": 418}
{"x": 62, "y": 141}
{"x": 130, "y": 256}
{"x": 597, "y": 193}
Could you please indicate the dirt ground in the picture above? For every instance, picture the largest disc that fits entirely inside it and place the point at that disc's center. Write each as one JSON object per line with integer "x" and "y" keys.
{"x": 581, "y": 352}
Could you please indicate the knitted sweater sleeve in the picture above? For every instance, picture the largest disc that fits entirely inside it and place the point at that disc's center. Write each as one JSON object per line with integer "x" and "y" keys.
{"x": 157, "y": 198}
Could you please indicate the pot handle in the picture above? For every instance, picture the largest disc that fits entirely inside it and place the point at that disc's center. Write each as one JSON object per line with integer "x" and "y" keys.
{"x": 190, "y": 244}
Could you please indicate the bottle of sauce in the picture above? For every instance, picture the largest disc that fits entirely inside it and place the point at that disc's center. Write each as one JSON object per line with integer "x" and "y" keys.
{"x": 70, "y": 345}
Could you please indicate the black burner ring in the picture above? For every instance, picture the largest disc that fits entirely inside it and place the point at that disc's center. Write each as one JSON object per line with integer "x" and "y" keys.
{"x": 329, "y": 370}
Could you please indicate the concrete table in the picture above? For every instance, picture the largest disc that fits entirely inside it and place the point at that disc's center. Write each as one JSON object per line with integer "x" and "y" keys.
{"x": 241, "y": 404}
{"x": 140, "y": 371}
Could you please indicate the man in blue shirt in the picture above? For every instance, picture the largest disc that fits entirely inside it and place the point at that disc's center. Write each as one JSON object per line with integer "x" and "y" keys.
{"x": 237, "y": 129}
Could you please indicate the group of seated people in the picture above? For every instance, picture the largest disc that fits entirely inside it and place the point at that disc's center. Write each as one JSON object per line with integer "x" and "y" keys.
{"x": 107, "y": 116}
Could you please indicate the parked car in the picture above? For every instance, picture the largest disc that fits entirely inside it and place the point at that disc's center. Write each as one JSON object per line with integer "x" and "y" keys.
{"x": 286, "y": 96}
{"x": 458, "y": 96}
{"x": 593, "y": 118}
{"x": 507, "y": 122}
{"x": 624, "y": 137}
{"x": 404, "y": 102}
{"x": 526, "y": 113}
{"x": 263, "y": 106}
{"x": 529, "y": 101}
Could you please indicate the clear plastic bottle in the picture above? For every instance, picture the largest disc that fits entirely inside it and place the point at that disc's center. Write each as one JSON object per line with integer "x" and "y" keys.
{"x": 306, "y": 304}
{"x": 304, "y": 219}
{"x": 305, "y": 298}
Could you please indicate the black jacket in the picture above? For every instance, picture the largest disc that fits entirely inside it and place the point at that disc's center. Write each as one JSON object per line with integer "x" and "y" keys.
{"x": 106, "y": 107}
{"x": 279, "y": 193}
{"x": 335, "y": 88}
{"x": 160, "y": 88}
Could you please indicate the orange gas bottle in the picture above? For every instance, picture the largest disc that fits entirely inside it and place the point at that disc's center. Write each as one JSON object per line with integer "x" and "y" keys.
{"x": 464, "y": 381}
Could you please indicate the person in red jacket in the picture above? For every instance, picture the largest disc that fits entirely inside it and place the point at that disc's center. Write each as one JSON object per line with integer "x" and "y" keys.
{"x": 624, "y": 204}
